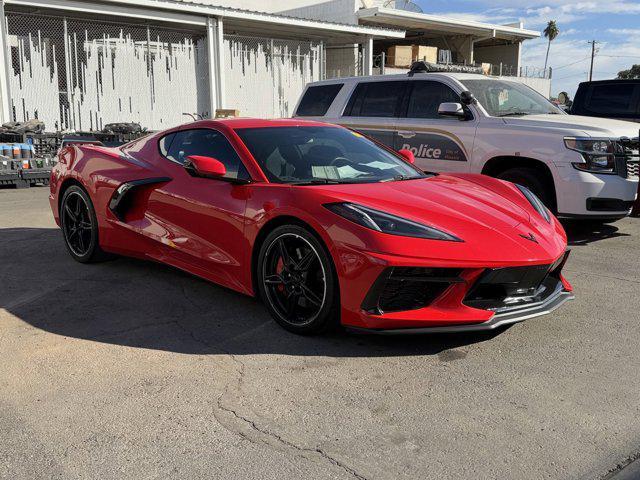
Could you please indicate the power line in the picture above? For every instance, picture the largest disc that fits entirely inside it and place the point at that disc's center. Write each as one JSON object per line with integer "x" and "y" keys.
{"x": 572, "y": 63}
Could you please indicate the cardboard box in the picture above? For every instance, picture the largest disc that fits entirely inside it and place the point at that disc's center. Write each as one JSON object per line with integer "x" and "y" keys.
{"x": 422, "y": 52}
{"x": 399, "y": 56}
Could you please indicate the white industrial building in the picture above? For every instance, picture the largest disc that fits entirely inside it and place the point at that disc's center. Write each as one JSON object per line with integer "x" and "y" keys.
{"x": 78, "y": 65}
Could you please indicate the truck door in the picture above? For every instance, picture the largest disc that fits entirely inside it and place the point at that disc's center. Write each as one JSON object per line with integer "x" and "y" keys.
{"x": 373, "y": 109}
{"x": 440, "y": 144}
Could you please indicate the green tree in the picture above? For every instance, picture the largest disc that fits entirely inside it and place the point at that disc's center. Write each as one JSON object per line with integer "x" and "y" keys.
{"x": 633, "y": 72}
{"x": 550, "y": 33}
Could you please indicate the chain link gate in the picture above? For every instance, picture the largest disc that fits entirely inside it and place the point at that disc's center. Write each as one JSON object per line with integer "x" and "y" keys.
{"x": 74, "y": 74}
{"x": 264, "y": 77}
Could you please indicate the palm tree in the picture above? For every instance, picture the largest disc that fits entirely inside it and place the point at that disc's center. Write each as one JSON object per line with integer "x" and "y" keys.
{"x": 551, "y": 32}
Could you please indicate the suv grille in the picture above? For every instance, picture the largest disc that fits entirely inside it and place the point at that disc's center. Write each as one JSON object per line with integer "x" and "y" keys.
{"x": 627, "y": 157}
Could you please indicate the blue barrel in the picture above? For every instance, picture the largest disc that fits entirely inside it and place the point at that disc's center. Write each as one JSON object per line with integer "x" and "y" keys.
{"x": 26, "y": 150}
{"x": 5, "y": 150}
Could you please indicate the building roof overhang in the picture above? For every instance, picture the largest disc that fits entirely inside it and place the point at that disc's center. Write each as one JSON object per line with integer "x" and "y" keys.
{"x": 413, "y": 21}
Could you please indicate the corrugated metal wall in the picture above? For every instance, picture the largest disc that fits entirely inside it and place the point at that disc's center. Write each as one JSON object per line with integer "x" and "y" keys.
{"x": 84, "y": 74}
{"x": 265, "y": 77}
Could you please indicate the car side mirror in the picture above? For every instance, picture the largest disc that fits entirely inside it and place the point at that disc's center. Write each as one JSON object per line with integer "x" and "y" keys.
{"x": 451, "y": 109}
{"x": 207, "y": 167}
{"x": 408, "y": 155}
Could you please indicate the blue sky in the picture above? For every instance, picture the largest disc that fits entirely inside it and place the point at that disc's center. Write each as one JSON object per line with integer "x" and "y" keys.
{"x": 614, "y": 23}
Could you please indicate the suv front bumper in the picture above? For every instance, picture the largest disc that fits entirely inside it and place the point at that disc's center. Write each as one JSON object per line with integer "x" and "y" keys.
{"x": 590, "y": 195}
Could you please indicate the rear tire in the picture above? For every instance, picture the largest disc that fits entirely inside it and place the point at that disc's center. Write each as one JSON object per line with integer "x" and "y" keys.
{"x": 297, "y": 282}
{"x": 532, "y": 179}
{"x": 80, "y": 226}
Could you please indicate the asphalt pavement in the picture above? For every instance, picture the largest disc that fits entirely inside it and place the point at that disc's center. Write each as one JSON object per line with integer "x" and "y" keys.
{"x": 129, "y": 369}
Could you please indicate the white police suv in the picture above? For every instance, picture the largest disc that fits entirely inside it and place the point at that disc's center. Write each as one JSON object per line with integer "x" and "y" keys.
{"x": 579, "y": 166}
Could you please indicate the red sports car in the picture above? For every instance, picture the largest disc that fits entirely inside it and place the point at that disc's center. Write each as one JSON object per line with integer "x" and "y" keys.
{"x": 323, "y": 224}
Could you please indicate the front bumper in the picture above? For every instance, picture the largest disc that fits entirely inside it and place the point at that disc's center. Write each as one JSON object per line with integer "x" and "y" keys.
{"x": 589, "y": 195}
{"x": 504, "y": 317}
{"x": 398, "y": 298}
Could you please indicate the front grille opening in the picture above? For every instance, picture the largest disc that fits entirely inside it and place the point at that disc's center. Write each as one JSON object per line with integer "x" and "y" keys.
{"x": 515, "y": 286}
{"x": 409, "y": 288}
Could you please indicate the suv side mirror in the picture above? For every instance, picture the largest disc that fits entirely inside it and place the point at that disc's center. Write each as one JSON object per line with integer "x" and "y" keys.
{"x": 207, "y": 167}
{"x": 408, "y": 155}
{"x": 467, "y": 98}
{"x": 451, "y": 109}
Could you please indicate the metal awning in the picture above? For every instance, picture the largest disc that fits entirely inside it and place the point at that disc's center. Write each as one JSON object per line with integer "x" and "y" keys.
{"x": 194, "y": 13}
{"x": 438, "y": 25}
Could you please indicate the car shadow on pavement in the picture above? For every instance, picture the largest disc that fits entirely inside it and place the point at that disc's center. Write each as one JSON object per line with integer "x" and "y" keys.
{"x": 142, "y": 304}
{"x": 585, "y": 232}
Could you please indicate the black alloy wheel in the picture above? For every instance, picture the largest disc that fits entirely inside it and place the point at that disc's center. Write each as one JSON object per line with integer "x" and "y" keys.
{"x": 80, "y": 226}
{"x": 297, "y": 280}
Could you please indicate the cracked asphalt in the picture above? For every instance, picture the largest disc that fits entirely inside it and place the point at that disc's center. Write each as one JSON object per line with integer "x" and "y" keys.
{"x": 129, "y": 369}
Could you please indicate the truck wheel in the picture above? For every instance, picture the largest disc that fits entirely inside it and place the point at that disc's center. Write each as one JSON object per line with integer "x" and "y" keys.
{"x": 535, "y": 181}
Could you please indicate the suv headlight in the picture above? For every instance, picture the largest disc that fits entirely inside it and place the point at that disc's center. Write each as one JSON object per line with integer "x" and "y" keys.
{"x": 535, "y": 202}
{"x": 387, "y": 223}
{"x": 598, "y": 154}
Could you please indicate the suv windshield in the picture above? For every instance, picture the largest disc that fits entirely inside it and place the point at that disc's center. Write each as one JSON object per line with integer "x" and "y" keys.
{"x": 501, "y": 98}
{"x": 309, "y": 155}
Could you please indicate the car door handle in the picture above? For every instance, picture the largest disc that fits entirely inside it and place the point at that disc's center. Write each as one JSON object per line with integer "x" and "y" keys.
{"x": 406, "y": 134}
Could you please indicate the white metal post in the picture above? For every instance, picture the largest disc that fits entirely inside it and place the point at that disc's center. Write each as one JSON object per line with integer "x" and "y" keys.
{"x": 67, "y": 68}
{"x": 5, "y": 90}
{"x": 215, "y": 46}
{"x": 220, "y": 66}
{"x": 367, "y": 54}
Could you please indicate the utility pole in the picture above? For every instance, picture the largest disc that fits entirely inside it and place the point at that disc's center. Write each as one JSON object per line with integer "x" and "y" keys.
{"x": 593, "y": 55}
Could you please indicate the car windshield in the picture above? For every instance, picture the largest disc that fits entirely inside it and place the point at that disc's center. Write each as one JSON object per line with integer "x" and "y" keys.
{"x": 310, "y": 155}
{"x": 503, "y": 98}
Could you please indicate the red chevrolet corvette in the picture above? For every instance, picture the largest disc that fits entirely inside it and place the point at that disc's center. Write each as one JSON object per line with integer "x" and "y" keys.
{"x": 323, "y": 224}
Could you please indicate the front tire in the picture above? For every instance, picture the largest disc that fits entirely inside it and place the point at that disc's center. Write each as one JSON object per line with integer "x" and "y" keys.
{"x": 535, "y": 181}
{"x": 80, "y": 226}
{"x": 297, "y": 281}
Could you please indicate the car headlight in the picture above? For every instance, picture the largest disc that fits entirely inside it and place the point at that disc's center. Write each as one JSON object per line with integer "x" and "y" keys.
{"x": 387, "y": 223}
{"x": 535, "y": 202}
{"x": 598, "y": 154}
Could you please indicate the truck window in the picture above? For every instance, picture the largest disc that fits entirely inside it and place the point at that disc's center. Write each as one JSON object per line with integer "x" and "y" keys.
{"x": 375, "y": 99}
{"x": 426, "y": 97}
{"x": 613, "y": 98}
{"x": 317, "y": 100}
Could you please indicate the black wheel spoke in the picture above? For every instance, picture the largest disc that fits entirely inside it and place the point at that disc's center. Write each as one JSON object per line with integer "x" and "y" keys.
{"x": 284, "y": 254}
{"x": 70, "y": 213}
{"x": 311, "y": 295}
{"x": 304, "y": 263}
{"x": 293, "y": 300}
{"x": 274, "y": 280}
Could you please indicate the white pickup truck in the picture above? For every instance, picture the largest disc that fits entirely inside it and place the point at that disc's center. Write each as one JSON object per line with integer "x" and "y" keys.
{"x": 581, "y": 167}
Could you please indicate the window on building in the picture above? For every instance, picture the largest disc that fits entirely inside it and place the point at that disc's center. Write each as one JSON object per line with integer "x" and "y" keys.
{"x": 317, "y": 100}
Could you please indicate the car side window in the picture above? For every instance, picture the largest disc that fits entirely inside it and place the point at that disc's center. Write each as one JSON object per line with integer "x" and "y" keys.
{"x": 426, "y": 97}
{"x": 375, "y": 99}
{"x": 204, "y": 142}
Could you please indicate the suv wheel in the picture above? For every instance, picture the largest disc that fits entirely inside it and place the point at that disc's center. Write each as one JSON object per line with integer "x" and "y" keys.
{"x": 534, "y": 181}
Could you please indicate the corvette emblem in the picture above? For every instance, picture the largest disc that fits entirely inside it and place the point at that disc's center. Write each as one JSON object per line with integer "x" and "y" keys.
{"x": 530, "y": 237}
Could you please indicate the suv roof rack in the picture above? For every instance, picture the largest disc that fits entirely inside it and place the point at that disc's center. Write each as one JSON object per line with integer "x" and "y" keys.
{"x": 426, "y": 67}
